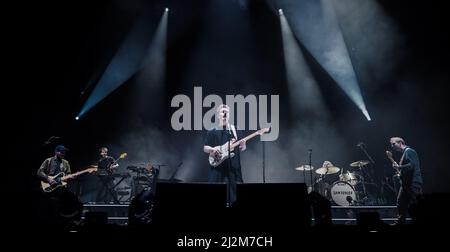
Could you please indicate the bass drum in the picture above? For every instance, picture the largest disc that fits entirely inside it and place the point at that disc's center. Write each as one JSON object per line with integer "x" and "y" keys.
{"x": 343, "y": 193}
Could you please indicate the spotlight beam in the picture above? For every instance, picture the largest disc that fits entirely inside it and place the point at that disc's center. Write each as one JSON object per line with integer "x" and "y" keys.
{"x": 303, "y": 89}
{"x": 315, "y": 25}
{"x": 127, "y": 61}
{"x": 155, "y": 59}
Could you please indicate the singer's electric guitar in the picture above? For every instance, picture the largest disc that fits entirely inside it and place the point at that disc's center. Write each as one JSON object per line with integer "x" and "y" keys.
{"x": 61, "y": 179}
{"x": 216, "y": 159}
{"x": 391, "y": 158}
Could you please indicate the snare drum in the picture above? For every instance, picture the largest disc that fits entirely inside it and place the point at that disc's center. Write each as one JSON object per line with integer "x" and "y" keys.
{"x": 343, "y": 193}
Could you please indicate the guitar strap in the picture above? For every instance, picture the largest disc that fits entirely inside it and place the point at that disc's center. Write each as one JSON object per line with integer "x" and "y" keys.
{"x": 234, "y": 131}
{"x": 60, "y": 166}
{"x": 403, "y": 156}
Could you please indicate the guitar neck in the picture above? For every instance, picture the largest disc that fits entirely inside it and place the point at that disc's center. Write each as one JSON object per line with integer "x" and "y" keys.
{"x": 74, "y": 174}
{"x": 245, "y": 139}
{"x": 389, "y": 156}
{"x": 117, "y": 160}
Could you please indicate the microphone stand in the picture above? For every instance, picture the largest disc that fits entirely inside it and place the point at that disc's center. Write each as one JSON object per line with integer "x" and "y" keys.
{"x": 311, "y": 177}
{"x": 229, "y": 167}
{"x": 155, "y": 174}
{"x": 264, "y": 162}
{"x": 365, "y": 152}
{"x": 361, "y": 146}
{"x": 172, "y": 177}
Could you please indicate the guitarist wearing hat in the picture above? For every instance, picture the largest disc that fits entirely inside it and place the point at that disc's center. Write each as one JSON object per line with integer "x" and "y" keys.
{"x": 59, "y": 206}
{"x": 408, "y": 168}
{"x": 53, "y": 166}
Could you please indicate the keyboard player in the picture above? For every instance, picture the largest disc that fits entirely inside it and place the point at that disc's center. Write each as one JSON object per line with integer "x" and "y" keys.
{"x": 106, "y": 165}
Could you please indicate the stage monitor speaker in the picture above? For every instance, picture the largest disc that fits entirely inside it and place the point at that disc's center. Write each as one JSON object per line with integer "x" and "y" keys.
{"x": 272, "y": 205}
{"x": 189, "y": 206}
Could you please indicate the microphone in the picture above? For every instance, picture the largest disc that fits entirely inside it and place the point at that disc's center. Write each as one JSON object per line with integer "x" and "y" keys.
{"x": 360, "y": 144}
{"x": 50, "y": 140}
{"x": 228, "y": 125}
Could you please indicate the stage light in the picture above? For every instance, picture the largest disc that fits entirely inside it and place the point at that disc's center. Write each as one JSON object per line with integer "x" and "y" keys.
{"x": 280, "y": 11}
{"x": 167, "y": 10}
{"x": 77, "y": 118}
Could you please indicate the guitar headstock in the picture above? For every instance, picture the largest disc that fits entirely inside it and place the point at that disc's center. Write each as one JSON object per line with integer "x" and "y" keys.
{"x": 263, "y": 131}
{"x": 123, "y": 155}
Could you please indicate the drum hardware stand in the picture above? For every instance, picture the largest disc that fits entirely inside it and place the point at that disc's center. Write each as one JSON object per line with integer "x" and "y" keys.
{"x": 111, "y": 189}
{"x": 363, "y": 185}
{"x": 361, "y": 146}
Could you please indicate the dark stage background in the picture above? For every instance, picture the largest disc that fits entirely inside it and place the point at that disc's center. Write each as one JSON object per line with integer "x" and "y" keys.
{"x": 227, "y": 47}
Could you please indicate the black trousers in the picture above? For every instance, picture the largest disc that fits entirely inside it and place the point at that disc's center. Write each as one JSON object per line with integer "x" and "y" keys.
{"x": 106, "y": 192}
{"x": 407, "y": 200}
{"x": 231, "y": 176}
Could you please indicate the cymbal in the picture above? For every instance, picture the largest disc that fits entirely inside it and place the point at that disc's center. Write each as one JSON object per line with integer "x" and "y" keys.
{"x": 359, "y": 163}
{"x": 305, "y": 168}
{"x": 329, "y": 170}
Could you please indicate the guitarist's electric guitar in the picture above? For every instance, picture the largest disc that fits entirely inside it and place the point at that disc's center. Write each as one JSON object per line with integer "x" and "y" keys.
{"x": 391, "y": 158}
{"x": 122, "y": 156}
{"x": 61, "y": 179}
{"x": 216, "y": 159}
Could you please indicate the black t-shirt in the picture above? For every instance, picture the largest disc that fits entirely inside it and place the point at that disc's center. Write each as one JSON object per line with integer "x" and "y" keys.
{"x": 105, "y": 163}
{"x": 215, "y": 137}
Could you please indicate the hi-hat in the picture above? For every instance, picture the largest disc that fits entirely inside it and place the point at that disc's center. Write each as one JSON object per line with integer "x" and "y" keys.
{"x": 305, "y": 168}
{"x": 328, "y": 170}
{"x": 359, "y": 163}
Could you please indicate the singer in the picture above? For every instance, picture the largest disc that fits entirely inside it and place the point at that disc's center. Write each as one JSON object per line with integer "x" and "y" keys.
{"x": 230, "y": 170}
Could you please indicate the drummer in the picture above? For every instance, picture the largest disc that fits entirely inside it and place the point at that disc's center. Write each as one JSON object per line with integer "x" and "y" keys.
{"x": 325, "y": 177}
{"x": 329, "y": 178}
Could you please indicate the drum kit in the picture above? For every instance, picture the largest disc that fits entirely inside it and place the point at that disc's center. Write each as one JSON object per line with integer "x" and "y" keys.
{"x": 349, "y": 189}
